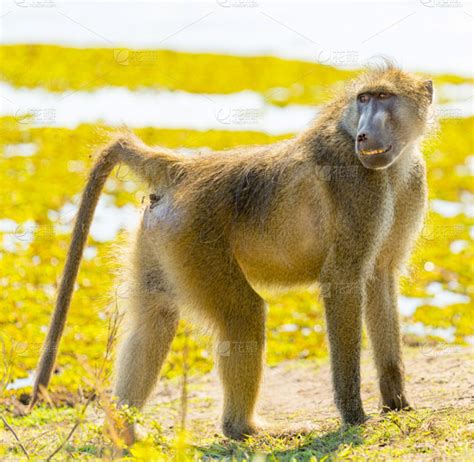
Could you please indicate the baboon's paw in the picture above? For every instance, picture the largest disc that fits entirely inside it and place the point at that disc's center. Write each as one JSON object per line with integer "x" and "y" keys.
{"x": 240, "y": 430}
{"x": 121, "y": 434}
{"x": 397, "y": 404}
{"x": 355, "y": 418}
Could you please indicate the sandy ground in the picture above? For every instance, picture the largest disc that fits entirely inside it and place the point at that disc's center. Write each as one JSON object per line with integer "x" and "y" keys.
{"x": 298, "y": 394}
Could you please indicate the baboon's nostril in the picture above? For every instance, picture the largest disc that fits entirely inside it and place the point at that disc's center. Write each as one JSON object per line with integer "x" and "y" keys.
{"x": 361, "y": 137}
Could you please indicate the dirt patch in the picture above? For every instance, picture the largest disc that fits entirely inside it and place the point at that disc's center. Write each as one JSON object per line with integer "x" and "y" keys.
{"x": 298, "y": 394}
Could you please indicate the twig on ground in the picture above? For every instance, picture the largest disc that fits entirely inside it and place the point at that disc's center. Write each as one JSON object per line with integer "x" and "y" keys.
{"x": 73, "y": 429}
{"x": 16, "y": 437}
{"x": 6, "y": 366}
{"x": 184, "y": 388}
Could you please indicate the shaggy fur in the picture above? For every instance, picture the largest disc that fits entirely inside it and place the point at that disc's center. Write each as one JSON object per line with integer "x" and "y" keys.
{"x": 294, "y": 212}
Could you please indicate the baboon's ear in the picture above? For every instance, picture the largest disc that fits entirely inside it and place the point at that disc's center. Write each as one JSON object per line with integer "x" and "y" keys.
{"x": 428, "y": 84}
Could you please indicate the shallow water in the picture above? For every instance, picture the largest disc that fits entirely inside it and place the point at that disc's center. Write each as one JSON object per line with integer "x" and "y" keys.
{"x": 415, "y": 33}
{"x": 421, "y": 330}
{"x": 108, "y": 219}
{"x": 246, "y": 110}
{"x": 440, "y": 299}
{"x": 20, "y": 150}
{"x": 22, "y": 382}
{"x": 451, "y": 209}
{"x": 115, "y": 106}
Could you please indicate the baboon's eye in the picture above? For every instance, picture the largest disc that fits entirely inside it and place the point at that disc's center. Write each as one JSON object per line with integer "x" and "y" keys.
{"x": 364, "y": 98}
{"x": 383, "y": 95}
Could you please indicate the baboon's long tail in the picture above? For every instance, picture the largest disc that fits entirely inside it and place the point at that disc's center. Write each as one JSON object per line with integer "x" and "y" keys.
{"x": 148, "y": 164}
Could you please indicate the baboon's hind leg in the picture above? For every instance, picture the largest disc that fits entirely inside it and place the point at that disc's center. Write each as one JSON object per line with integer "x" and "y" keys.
{"x": 142, "y": 353}
{"x": 238, "y": 315}
{"x": 153, "y": 325}
{"x": 240, "y": 351}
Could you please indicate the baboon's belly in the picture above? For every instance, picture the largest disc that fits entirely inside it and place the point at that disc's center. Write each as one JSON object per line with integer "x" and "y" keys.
{"x": 289, "y": 254}
{"x": 288, "y": 249}
{"x": 265, "y": 269}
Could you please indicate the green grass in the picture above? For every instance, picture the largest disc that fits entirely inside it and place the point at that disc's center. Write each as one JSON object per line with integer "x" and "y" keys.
{"x": 445, "y": 434}
{"x": 397, "y": 436}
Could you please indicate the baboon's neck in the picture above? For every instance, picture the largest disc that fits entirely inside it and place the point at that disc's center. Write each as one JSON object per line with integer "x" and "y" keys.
{"x": 328, "y": 143}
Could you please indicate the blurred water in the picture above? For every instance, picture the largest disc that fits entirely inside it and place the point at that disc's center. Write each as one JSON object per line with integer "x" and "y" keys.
{"x": 428, "y": 35}
{"x": 108, "y": 219}
{"x": 246, "y": 110}
{"x": 421, "y": 330}
{"x": 441, "y": 299}
{"x": 23, "y": 382}
{"x": 451, "y": 209}
{"x": 20, "y": 150}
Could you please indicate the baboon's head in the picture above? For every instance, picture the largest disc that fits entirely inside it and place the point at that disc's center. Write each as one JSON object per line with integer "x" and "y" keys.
{"x": 386, "y": 111}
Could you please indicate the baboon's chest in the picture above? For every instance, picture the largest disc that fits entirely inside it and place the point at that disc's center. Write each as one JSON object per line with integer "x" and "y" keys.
{"x": 409, "y": 204}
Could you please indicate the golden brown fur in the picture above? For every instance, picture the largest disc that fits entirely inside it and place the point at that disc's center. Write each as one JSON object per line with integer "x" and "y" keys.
{"x": 294, "y": 212}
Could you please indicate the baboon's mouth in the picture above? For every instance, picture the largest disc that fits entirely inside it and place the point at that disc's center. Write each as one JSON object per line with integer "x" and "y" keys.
{"x": 372, "y": 152}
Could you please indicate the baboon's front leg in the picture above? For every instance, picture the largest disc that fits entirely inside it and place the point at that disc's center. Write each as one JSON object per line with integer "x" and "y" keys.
{"x": 383, "y": 326}
{"x": 343, "y": 299}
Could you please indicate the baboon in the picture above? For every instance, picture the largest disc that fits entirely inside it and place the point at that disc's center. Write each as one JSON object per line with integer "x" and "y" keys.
{"x": 340, "y": 203}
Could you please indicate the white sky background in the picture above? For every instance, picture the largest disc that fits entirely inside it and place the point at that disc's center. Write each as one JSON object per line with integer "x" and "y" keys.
{"x": 425, "y": 35}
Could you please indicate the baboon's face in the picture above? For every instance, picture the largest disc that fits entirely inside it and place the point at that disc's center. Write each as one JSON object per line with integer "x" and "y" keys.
{"x": 376, "y": 145}
{"x": 384, "y": 121}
